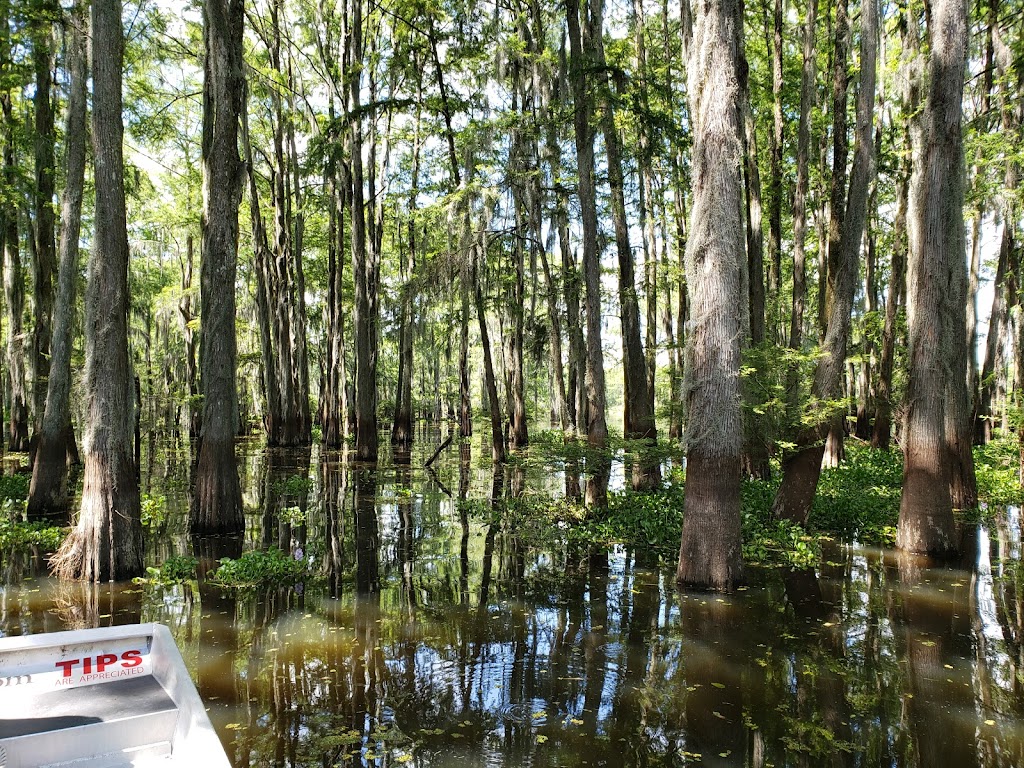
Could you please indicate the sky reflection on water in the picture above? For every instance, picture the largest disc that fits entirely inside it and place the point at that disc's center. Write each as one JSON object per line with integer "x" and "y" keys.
{"x": 440, "y": 639}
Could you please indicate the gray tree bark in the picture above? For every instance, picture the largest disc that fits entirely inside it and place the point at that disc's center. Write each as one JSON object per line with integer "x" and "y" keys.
{"x": 802, "y": 469}
{"x": 364, "y": 320}
{"x": 106, "y": 544}
{"x": 48, "y": 492}
{"x": 710, "y": 553}
{"x": 216, "y": 506}
{"x": 937, "y": 343}
{"x": 45, "y": 264}
{"x": 803, "y": 149}
{"x": 581, "y": 31}
{"x": 14, "y": 282}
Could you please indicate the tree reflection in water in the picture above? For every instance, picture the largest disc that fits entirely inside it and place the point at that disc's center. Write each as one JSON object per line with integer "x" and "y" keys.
{"x": 439, "y": 637}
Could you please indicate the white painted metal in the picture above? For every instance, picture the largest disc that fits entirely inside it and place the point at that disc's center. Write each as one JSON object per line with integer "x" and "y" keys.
{"x": 112, "y": 697}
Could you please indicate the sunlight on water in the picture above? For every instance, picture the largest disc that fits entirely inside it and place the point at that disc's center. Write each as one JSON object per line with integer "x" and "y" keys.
{"x": 438, "y": 638}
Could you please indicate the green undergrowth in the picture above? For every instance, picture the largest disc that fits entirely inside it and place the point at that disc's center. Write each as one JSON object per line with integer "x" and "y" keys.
{"x": 260, "y": 568}
{"x": 254, "y": 569}
{"x": 996, "y": 465}
{"x": 17, "y": 535}
{"x": 859, "y": 500}
{"x": 175, "y": 569}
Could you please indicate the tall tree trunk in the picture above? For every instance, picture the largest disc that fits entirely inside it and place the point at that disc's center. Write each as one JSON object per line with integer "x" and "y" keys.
{"x": 362, "y": 257}
{"x": 217, "y": 497}
{"x": 648, "y": 208}
{"x": 865, "y": 391}
{"x": 48, "y": 493}
{"x": 678, "y": 414}
{"x": 638, "y": 405}
{"x": 754, "y": 218}
{"x": 997, "y": 322}
{"x": 775, "y": 182}
{"x": 45, "y": 264}
{"x": 14, "y": 283}
{"x": 261, "y": 268}
{"x": 465, "y": 401}
{"x": 559, "y": 407}
{"x": 193, "y": 407}
{"x": 803, "y": 148}
{"x": 490, "y": 380}
{"x": 300, "y": 355}
{"x": 574, "y": 382}
{"x": 14, "y": 292}
{"x": 755, "y": 434}
{"x": 581, "y": 33}
{"x": 107, "y": 541}
{"x": 802, "y": 470}
{"x": 1003, "y": 301}
{"x": 959, "y": 422}
{"x": 833, "y": 452}
{"x": 882, "y": 432}
{"x": 285, "y": 279}
{"x": 402, "y": 431}
{"x": 334, "y": 407}
{"x": 937, "y": 332}
{"x": 709, "y": 554}
{"x": 518, "y": 436}
{"x": 524, "y": 187}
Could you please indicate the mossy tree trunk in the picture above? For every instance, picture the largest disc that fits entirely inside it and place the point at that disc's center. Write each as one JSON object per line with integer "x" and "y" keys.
{"x": 935, "y": 468}
{"x": 106, "y": 544}
{"x": 802, "y": 469}
{"x": 584, "y": 22}
{"x": 46, "y": 16}
{"x": 48, "y": 493}
{"x": 709, "y": 553}
{"x": 936, "y": 347}
{"x": 216, "y": 506}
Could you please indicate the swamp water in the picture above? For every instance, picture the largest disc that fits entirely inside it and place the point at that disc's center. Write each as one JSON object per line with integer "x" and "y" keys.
{"x": 437, "y": 637}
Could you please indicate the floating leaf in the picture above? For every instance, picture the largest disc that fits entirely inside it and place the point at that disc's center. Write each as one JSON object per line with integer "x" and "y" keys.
{"x": 541, "y": 738}
{"x": 718, "y": 685}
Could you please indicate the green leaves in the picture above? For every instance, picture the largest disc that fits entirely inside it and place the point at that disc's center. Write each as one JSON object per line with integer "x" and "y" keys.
{"x": 260, "y": 568}
{"x": 176, "y": 569}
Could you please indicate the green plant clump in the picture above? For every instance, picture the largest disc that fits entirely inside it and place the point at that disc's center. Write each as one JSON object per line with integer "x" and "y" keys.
{"x": 173, "y": 570}
{"x": 154, "y": 510}
{"x": 258, "y": 568}
{"x": 293, "y": 485}
{"x": 20, "y": 536}
{"x": 861, "y": 497}
{"x": 996, "y": 466}
{"x": 860, "y": 500}
{"x": 14, "y": 488}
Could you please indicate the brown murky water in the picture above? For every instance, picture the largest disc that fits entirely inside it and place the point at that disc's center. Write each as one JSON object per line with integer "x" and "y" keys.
{"x": 440, "y": 639}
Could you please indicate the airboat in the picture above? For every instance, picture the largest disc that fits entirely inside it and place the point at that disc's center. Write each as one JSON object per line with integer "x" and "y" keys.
{"x": 112, "y": 697}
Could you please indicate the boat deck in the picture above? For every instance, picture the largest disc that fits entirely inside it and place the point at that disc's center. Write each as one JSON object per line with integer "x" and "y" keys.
{"x": 75, "y": 707}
